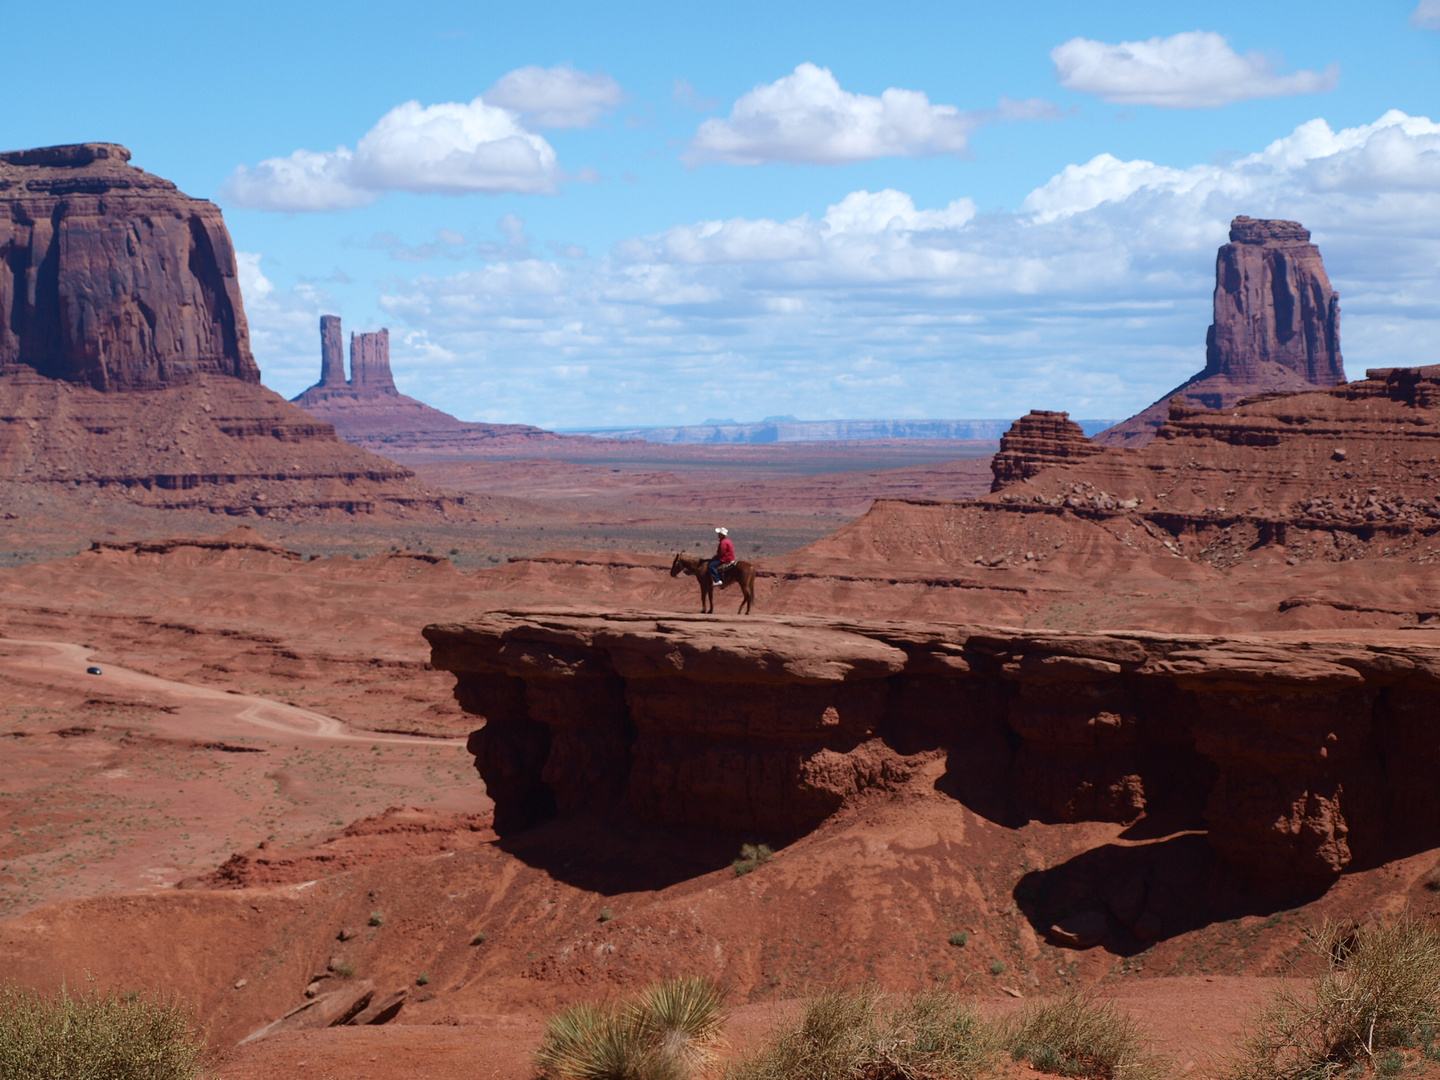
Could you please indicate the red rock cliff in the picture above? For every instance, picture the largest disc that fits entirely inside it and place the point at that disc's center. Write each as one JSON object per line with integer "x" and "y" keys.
{"x": 112, "y": 277}
{"x": 1273, "y": 306}
{"x": 1299, "y": 757}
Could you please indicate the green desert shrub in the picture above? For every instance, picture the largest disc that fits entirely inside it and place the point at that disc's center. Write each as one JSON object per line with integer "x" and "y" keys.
{"x": 865, "y": 1035}
{"x": 95, "y": 1036}
{"x": 1380, "y": 991}
{"x": 1076, "y": 1035}
{"x": 667, "y": 1032}
{"x": 751, "y": 857}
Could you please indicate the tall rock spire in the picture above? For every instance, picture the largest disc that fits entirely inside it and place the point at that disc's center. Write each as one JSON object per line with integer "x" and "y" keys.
{"x": 1273, "y": 305}
{"x": 1276, "y": 328}
{"x": 370, "y": 363}
{"x": 332, "y": 352}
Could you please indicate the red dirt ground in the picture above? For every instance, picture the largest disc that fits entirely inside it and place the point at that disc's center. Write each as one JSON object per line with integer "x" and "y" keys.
{"x": 249, "y": 697}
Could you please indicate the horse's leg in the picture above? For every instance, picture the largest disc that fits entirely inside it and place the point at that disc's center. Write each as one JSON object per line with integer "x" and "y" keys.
{"x": 707, "y": 593}
{"x": 747, "y": 587}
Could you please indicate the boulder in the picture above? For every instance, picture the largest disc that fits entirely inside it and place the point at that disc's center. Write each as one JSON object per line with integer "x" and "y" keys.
{"x": 382, "y": 1010}
{"x": 325, "y": 1010}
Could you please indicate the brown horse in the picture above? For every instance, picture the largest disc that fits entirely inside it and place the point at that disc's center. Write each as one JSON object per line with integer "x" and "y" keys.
{"x": 742, "y": 572}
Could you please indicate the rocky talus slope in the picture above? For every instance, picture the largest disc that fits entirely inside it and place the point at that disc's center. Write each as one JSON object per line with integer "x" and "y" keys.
{"x": 1299, "y": 757}
{"x": 1276, "y": 328}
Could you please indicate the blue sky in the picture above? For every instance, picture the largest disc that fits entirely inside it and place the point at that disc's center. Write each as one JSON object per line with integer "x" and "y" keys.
{"x": 584, "y": 215}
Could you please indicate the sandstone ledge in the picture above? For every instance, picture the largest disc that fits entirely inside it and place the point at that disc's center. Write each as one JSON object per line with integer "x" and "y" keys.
{"x": 1299, "y": 756}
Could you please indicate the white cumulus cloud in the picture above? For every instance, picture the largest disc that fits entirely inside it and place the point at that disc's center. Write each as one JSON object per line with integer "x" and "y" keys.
{"x": 807, "y": 117}
{"x": 1426, "y": 15}
{"x": 1093, "y": 296}
{"x": 453, "y": 148}
{"x": 557, "y": 97}
{"x": 1193, "y": 70}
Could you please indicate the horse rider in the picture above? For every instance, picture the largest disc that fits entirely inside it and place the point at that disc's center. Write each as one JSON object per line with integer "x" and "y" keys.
{"x": 724, "y": 555}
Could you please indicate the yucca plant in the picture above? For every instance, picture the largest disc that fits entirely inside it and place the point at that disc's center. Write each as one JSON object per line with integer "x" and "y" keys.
{"x": 666, "y": 1033}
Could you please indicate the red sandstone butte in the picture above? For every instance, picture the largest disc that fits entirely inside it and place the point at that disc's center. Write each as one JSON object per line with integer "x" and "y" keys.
{"x": 112, "y": 277}
{"x": 1037, "y": 440}
{"x": 125, "y": 365}
{"x": 1276, "y": 328}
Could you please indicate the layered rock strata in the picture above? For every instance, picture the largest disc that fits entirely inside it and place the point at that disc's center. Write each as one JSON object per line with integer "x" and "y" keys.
{"x": 214, "y": 444}
{"x": 1300, "y": 758}
{"x": 125, "y": 365}
{"x": 113, "y": 278}
{"x": 1035, "y": 441}
{"x": 1344, "y": 473}
{"x": 1276, "y": 327}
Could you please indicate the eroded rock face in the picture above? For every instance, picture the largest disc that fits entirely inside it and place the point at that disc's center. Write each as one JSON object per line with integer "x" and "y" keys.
{"x": 112, "y": 277}
{"x": 1299, "y": 757}
{"x": 214, "y": 443}
{"x": 1037, "y": 440}
{"x": 332, "y": 354}
{"x": 370, "y": 363}
{"x": 1273, "y": 305}
{"x": 1276, "y": 327}
{"x": 1338, "y": 474}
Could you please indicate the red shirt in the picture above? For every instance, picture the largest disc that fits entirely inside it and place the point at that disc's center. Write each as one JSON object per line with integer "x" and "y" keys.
{"x": 726, "y": 550}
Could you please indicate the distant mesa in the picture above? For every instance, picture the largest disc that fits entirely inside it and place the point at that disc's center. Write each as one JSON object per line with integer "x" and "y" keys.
{"x": 114, "y": 278}
{"x": 1276, "y": 328}
{"x": 786, "y": 429}
{"x": 125, "y": 364}
{"x": 366, "y": 409}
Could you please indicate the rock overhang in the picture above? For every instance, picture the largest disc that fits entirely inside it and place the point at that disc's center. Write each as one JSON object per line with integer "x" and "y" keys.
{"x": 1300, "y": 756}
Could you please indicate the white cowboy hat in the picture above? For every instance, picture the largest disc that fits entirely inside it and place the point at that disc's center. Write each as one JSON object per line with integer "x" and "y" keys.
{"x": 722, "y": 530}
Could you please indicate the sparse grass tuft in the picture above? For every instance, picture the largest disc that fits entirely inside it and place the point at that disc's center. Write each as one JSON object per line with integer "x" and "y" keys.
{"x": 751, "y": 857}
{"x": 377, "y": 918}
{"x": 1380, "y": 992}
{"x": 423, "y": 979}
{"x": 345, "y": 969}
{"x": 666, "y": 1033}
{"x": 479, "y": 938}
{"x": 1076, "y": 1035}
{"x": 865, "y": 1035}
{"x": 960, "y": 938}
{"x": 117, "y": 1037}
{"x": 997, "y": 967}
